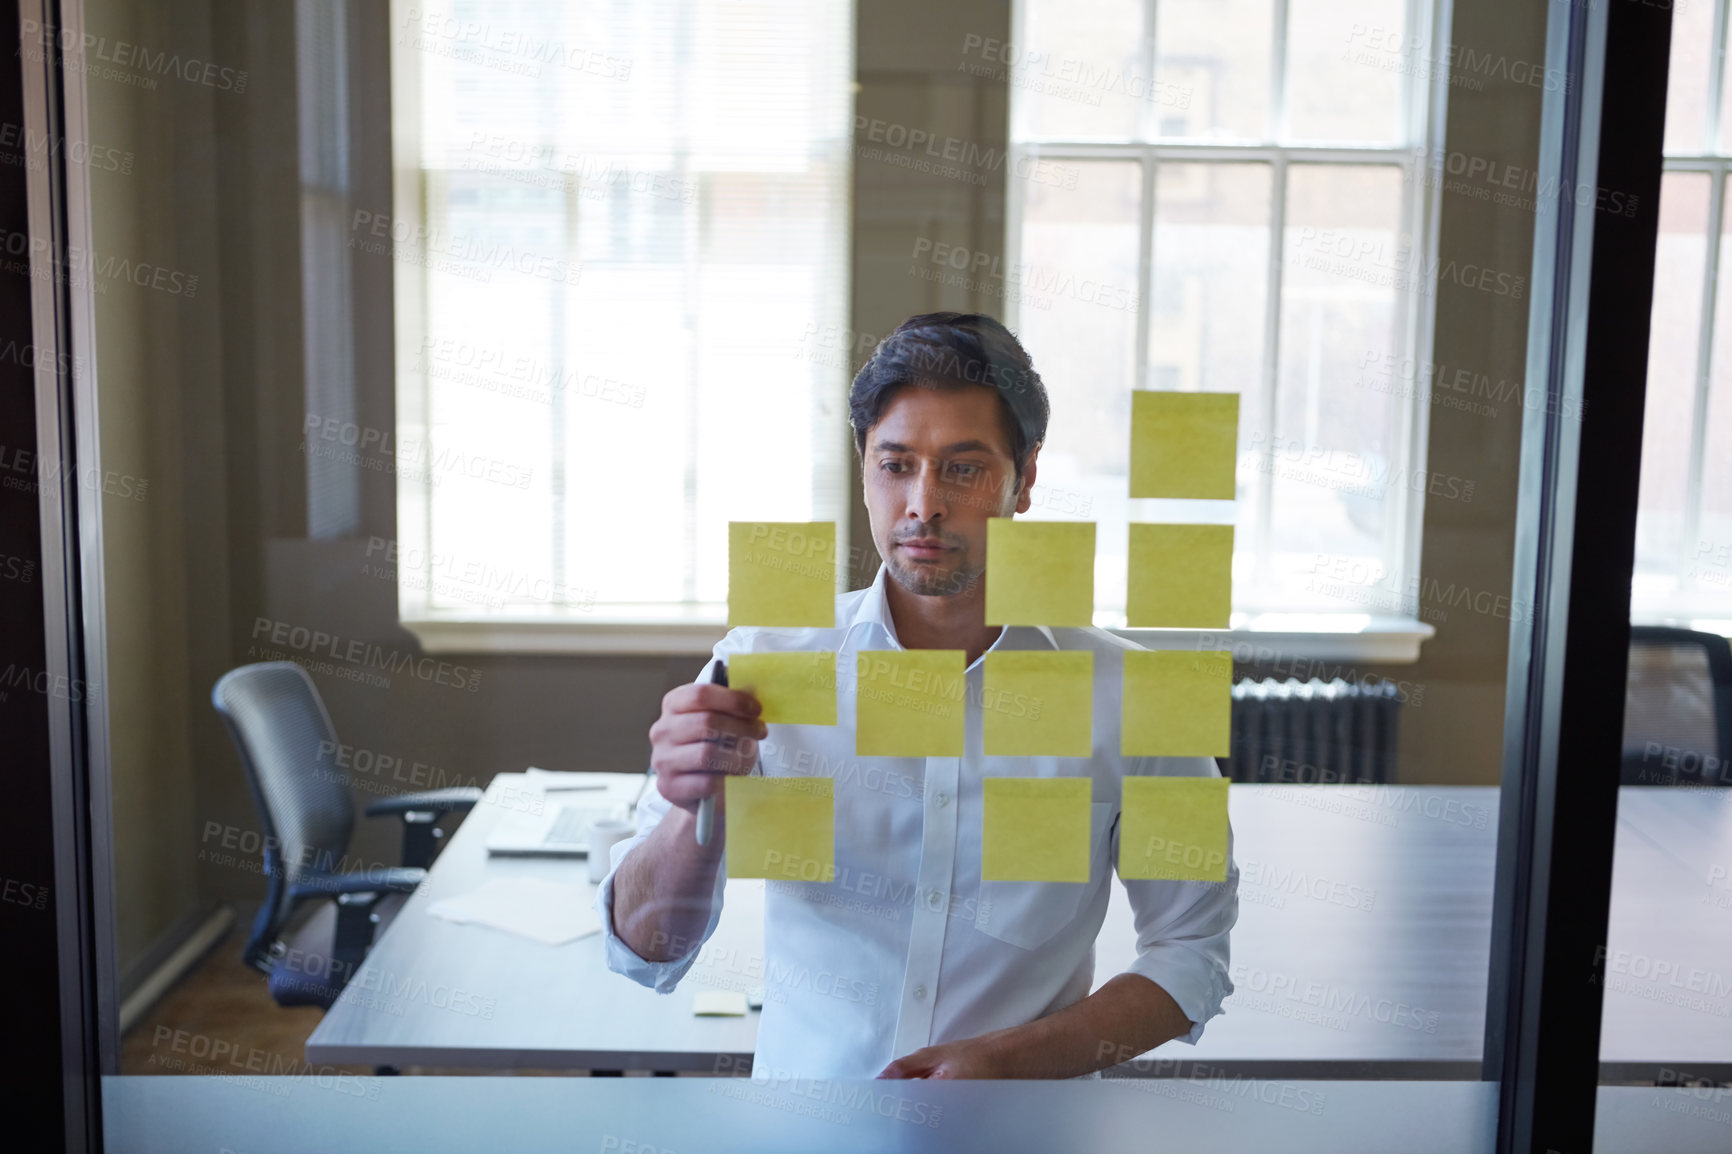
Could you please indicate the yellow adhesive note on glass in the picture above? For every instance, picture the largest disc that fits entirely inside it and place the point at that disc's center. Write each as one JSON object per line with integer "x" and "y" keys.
{"x": 909, "y": 702}
{"x": 1180, "y": 576}
{"x": 1183, "y": 444}
{"x": 782, "y": 573}
{"x": 1038, "y": 703}
{"x": 793, "y": 688}
{"x": 1173, "y": 829}
{"x": 1177, "y": 703}
{"x": 1040, "y": 572}
{"x": 1035, "y": 829}
{"x": 782, "y": 828}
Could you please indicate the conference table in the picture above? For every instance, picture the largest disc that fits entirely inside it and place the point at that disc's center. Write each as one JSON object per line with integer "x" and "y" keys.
{"x": 1361, "y": 950}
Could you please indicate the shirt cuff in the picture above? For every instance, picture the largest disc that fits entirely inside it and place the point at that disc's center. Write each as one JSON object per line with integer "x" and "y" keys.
{"x": 662, "y": 977}
{"x": 1196, "y": 984}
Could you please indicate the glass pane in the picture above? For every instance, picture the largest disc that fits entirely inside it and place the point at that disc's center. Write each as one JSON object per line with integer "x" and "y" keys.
{"x": 1336, "y": 468}
{"x": 1079, "y": 73}
{"x": 1346, "y": 60}
{"x": 731, "y": 262}
{"x": 1212, "y": 58}
{"x": 1687, "y": 79}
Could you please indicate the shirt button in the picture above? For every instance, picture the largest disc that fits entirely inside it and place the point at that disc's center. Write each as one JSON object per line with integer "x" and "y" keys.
{"x": 943, "y": 800}
{"x": 920, "y": 993}
{"x": 934, "y": 899}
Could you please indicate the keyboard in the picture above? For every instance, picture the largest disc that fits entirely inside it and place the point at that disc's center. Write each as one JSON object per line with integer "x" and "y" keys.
{"x": 571, "y": 825}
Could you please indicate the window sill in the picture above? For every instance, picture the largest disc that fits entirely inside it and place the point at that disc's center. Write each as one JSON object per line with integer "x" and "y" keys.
{"x": 1267, "y": 637}
{"x": 1283, "y": 638}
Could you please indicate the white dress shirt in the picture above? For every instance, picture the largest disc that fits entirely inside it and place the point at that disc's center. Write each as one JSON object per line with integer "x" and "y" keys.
{"x": 907, "y": 947}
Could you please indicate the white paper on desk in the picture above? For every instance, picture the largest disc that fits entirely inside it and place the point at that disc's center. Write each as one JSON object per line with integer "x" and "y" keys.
{"x": 565, "y": 779}
{"x": 540, "y": 910}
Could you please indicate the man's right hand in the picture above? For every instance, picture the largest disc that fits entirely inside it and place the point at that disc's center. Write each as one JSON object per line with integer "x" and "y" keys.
{"x": 705, "y": 733}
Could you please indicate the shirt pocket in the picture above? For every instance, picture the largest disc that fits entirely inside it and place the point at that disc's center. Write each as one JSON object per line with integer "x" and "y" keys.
{"x": 1029, "y": 914}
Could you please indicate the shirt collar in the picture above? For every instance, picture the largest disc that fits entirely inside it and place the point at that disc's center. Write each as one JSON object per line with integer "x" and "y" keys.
{"x": 875, "y": 610}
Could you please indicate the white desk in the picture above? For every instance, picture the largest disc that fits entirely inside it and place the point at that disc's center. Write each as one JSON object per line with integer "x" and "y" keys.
{"x": 1363, "y": 940}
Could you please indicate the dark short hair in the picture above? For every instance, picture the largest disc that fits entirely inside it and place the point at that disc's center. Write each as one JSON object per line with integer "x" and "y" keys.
{"x": 946, "y": 350}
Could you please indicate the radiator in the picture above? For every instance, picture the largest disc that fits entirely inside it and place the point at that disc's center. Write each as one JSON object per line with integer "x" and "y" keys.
{"x": 1313, "y": 731}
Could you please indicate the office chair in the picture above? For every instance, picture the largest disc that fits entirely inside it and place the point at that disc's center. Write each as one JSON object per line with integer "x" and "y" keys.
{"x": 306, "y": 813}
{"x": 1678, "y": 708}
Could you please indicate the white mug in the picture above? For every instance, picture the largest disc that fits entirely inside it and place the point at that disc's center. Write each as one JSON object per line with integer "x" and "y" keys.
{"x": 603, "y": 836}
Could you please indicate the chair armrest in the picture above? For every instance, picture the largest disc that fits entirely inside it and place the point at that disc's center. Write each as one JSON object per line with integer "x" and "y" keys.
{"x": 396, "y": 880}
{"x": 457, "y": 799}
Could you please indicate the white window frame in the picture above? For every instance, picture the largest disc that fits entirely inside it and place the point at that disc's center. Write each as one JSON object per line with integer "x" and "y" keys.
{"x": 1374, "y": 637}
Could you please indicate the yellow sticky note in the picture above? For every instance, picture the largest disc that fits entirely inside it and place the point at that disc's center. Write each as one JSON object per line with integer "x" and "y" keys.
{"x": 1038, "y": 703}
{"x": 1040, "y": 572}
{"x": 719, "y": 1004}
{"x": 1177, "y": 703}
{"x": 782, "y": 573}
{"x": 782, "y": 828}
{"x": 1183, "y": 444}
{"x": 909, "y": 702}
{"x": 793, "y": 688}
{"x": 1035, "y": 829}
{"x": 1180, "y": 576}
{"x": 1174, "y": 829}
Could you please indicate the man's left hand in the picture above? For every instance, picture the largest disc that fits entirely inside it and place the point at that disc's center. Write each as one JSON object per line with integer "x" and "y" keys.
{"x": 966, "y": 1059}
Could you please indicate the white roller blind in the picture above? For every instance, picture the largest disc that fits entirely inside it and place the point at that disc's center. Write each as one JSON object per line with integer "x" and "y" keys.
{"x": 630, "y": 214}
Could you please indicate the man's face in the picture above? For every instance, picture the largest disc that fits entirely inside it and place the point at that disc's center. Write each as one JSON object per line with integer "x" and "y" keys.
{"x": 937, "y": 466}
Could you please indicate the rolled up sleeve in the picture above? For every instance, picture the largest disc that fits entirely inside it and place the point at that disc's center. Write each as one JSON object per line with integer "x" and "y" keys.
{"x": 661, "y": 977}
{"x": 1183, "y": 927}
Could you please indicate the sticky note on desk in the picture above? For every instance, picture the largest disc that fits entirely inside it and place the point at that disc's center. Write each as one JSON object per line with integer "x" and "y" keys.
{"x": 1181, "y": 576}
{"x": 1035, "y": 829}
{"x": 782, "y": 573}
{"x": 909, "y": 702}
{"x": 1038, "y": 703}
{"x": 1040, "y": 572}
{"x": 782, "y": 828}
{"x": 1173, "y": 829}
{"x": 1183, "y": 444}
{"x": 1177, "y": 703}
{"x": 719, "y": 1004}
{"x": 794, "y": 688}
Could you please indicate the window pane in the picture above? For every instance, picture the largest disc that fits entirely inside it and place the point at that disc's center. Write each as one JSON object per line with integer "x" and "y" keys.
{"x": 1710, "y": 568}
{"x": 1336, "y": 469}
{"x": 1078, "y": 73}
{"x": 1207, "y": 312}
{"x": 1211, "y": 267}
{"x": 1345, "y": 64}
{"x": 484, "y": 317}
{"x": 1687, "y": 79}
{"x": 1212, "y": 64}
{"x": 676, "y": 226}
{"x": 1084, "y": 343}
{"x": 1672, "y": 348}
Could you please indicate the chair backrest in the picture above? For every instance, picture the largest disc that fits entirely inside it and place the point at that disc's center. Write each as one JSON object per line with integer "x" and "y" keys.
{"x": 1678, "y": 708}
{"x": 289, "y": 751}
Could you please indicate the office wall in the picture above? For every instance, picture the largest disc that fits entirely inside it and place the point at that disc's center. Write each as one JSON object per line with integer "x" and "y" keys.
{"x": 205, "y": 395}
{"x": 158, "y": 349}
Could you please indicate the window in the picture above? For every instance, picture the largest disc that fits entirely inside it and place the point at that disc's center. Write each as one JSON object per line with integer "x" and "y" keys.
{"x": 1236, "y": 197}
{"x": 613, "y": 224}
{"x": 1684, "y": 519}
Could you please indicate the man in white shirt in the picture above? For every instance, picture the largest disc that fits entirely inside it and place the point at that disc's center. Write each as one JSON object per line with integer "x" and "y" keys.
{"x": 907, "y": 963}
